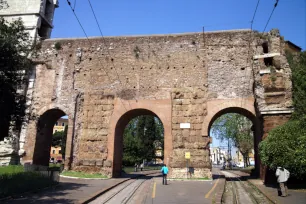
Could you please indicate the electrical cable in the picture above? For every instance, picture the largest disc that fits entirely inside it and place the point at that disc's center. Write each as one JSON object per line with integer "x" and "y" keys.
{"x": 275, "y": 5}
{"x": 69, "y": 3}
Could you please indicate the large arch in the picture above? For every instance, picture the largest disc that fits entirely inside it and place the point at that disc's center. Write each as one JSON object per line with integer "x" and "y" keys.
{"x": 244, "y": 107}
{"x": 44, "y": 133}
{"x": 123, "y": 113}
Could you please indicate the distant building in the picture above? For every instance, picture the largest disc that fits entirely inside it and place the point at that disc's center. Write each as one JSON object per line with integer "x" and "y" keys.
{"x": 56, "y": 154}
{"x": 217, "y": 155}
{"x": 60, "y": 125}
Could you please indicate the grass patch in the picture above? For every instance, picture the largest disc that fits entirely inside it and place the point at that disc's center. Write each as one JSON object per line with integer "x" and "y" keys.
{"x": 12, "y": 169}
{"x": 14, "y": 180}
{"x": 82, "y": 174}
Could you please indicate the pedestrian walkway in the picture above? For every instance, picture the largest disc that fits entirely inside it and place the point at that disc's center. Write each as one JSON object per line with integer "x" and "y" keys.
{"x": 295, "y": 196}
{"x": 71, "y": 190}
{"x": 179, "y": 192}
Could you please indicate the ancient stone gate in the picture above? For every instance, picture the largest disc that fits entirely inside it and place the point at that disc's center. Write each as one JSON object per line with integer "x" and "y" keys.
{"x": 185, "y": 78}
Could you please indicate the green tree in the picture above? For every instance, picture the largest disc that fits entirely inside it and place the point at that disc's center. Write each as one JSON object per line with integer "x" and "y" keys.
{"x": 15, "y": 47}
{"x": 59, "y": 139}
{"x": 131, "y": 145}
{"x": 297, "y": 63}
{"x": 286, "y": 145}
{"x": 140, "y": 137}
{"x": 236, "y": 129}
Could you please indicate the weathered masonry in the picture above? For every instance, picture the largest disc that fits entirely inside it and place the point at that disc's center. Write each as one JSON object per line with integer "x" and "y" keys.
{"x": 37, "y": 17}
{"x": 185, "y": 78}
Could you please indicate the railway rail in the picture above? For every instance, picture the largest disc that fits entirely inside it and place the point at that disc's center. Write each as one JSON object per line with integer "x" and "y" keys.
{"x": 239, "y": 191}
{"x": 123, "y": 193}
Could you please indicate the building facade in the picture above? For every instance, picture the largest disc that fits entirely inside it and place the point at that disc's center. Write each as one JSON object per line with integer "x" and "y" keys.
{"x": 60, "y": 125}
{"x": 37, "y": 16}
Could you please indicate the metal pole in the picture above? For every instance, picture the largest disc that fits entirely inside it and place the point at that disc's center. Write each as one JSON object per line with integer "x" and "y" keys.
{"x": 186, "y": 168}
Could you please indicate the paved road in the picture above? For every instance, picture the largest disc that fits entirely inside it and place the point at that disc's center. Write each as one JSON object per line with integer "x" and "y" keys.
{"x": 149, "y": 190}
{"x": 75, "y": 191}
{"x": 178, "y": 192}
{"x": 69, "y": 191}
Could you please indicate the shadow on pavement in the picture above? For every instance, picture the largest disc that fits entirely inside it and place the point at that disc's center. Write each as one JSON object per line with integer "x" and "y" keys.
{"x": 57, "y": 194}
{"x": 217, "y": 176}
{"x": 134, "y": 174}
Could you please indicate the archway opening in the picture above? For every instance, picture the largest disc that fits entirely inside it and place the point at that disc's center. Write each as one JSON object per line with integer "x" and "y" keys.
{"x": 51, "y": 136}
{"x": 139, "y": 142}
{"x": 236, "y": 136}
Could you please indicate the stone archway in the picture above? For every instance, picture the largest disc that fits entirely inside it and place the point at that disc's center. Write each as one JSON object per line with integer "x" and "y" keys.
{"x": 246, "y": 108}
{"x": 44, "y": 132}
{"x": 121, "y": 117}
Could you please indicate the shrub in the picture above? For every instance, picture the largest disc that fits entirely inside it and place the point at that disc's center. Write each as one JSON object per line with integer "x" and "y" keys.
{"x": 285, "y": 146}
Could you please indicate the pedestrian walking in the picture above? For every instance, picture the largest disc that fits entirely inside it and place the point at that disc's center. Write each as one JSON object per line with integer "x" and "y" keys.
{"x": 282, "y": 175}
{"x": 164, "y": 171}
{"x": 136, "y": 166}
{"x": 141, "y": 166}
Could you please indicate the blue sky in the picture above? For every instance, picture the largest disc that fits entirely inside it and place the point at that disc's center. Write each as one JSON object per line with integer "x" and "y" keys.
{"x": 138, "y": 17}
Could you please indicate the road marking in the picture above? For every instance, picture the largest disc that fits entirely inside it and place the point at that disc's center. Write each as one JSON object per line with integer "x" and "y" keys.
{"x": 212, "y": 189}
{"x": 154, "y": 190}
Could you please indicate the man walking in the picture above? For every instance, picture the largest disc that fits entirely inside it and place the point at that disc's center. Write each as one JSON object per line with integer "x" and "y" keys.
{"x": 164, "y": 171}
{"x": 282, "y": 175}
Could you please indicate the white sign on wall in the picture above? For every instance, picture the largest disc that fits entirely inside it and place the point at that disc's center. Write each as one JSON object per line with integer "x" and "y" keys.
{"x": 184, "y": 125}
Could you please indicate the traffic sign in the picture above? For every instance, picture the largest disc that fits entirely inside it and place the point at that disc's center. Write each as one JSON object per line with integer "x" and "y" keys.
{"x": 187, "y": 155}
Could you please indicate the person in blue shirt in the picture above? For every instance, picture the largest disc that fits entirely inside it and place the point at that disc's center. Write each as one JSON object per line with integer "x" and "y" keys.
{"x": 164, "y": 171}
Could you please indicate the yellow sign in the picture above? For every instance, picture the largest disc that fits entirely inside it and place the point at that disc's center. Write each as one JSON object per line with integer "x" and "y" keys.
{"x": 187, "y": 155}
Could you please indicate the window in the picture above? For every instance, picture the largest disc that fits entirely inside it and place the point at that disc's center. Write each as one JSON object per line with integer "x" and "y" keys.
{"x": 53, "y": 151}
{"x": 59, "y": 151}
{"x": 63, "y": 124}
{"x": 265, "y": 47}
{"x": 56, "y": 124}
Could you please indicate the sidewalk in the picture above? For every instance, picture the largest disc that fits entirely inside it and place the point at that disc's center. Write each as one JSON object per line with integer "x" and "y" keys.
{"x": 72, "y": 190}
{"x": 295, "y": 196}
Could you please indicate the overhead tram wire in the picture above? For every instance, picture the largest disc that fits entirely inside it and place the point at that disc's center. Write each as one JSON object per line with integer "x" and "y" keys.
{"x": 252, "y": 21}
{"x": 105, "y": 44}
{"x": 104, "y": 41}
{"x": 275, "y": 5}
{"x": 69, "y": 3}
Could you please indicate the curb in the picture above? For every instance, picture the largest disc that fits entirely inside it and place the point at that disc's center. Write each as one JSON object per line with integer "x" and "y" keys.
{"x": 263, "y": 192}
{"x": 173, "y": 179}
{"x": 99, "y": 193}
{"x": 219, "y": 193}
{"x": 72, "y": 177}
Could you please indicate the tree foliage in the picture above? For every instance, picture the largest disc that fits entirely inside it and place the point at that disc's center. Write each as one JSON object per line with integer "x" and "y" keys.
{"x": 140, "y": 138}
{"x": 298, "y": 67}
{"x": 15, "y": 47}
{"x": 237, "y": 130}
{"x": 59, "y": 139}
{"x": 285, "y": 146}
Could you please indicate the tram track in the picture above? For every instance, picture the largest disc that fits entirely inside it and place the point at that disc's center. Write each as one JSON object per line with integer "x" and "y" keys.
{"x": 241, "y": 191}
{"x": 123, "y": 193}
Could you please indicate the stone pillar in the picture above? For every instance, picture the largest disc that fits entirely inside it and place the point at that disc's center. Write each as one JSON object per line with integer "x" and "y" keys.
{"x": 189, "y": 106}
{"x": 270, "y": 121}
